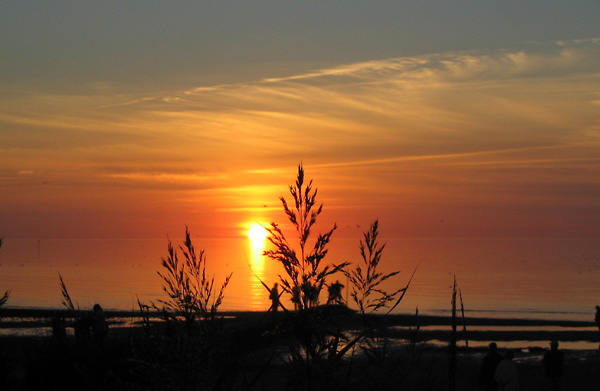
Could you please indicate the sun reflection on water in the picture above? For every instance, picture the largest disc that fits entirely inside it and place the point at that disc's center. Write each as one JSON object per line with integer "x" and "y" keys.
{"x": 258, "y": 295}
{"x": 256, "y": 248}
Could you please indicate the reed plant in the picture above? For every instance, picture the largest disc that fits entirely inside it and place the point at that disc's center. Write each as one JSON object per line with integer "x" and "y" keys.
{"x": 452, "y": 348}
{"x": 319, "y": 343}
{"x": 452, "y": 356}
{"x": 4, "y": 298}
{"x": 367, "y": 291}
{"x": 3, "y": 301}
{"x": 6, "y": 294}
{"x": 305, "y": 275}
{"x": 191, "y": 350}
{"x": 385, "y": 366}
{"x": 67, "y": 302}
{"x": 192, "y": 292}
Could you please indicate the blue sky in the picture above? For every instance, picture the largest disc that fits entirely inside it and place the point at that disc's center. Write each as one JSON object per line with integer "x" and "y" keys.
{"x": 166, "y": 44}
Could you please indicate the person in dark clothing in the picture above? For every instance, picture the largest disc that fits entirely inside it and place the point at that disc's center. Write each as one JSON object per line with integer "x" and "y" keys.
{"x": 274, "y": 296}
{"x": 553, "y": 367}
{"x": 507, "y": 374}
{"x": 59, "y": 329}
{"x": 598, "y": 320}
{"x": 335, "y": 293}
{"x": 99, "y": 325}
{"x": 488, "y": 368}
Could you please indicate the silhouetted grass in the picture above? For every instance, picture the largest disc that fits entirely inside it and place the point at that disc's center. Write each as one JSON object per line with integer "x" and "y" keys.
{"x": 305, "y": 275}
{"x": 6, "y": 294}
{"x": 253, "y": 352}
{"x": 195, "y": 347}
{"x": 67, "y": 302}
{"x": 366, "y": 283}
{"x": 192, "y": 293}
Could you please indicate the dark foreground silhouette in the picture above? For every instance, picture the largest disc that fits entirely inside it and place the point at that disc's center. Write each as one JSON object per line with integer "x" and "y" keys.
{"x": 275, "y": 351}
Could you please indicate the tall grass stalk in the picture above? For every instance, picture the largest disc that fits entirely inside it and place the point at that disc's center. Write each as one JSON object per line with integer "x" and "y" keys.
{"x": 452, "y": 347}
{"x": 6, "y": 294}
{"x": 4, "y": 298}
{"x": 192, "y": 293}
{"x": 464, "y": 320}
{"x": 366, "y": 283}
{"x": 67, "y": 302}
{"x": 305, "y": 275}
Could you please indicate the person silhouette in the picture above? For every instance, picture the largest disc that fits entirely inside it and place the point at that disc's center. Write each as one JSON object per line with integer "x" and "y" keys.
{"x": 597, "y": 319}
{"x": 274, "y": 296}
{"x": 296, "y": 293}
{"x": 99, "y": 325}
{"x": 59, "y": 330}
{"x": 81, "y": 326}
{"x": 507, "y": 375}
{"x": 553, "y": 367}
{"x": 335, "y": 293}
{"x": 488, "y": 368}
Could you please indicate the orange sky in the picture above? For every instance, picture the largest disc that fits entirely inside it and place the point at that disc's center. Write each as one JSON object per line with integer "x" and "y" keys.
{"x": 465, "y": 144}
{"x": 453, "y": 144}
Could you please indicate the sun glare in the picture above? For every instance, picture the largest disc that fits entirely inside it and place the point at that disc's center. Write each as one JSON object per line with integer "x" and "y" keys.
{"x": 257, "y": 232}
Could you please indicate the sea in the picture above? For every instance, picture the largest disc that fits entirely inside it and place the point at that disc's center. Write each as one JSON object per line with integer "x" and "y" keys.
{"x": 537, "y": 278}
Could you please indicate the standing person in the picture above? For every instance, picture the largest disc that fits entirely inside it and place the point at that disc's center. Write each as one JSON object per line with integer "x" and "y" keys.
{"x": 59, "y": 328}
{"x": 598, "y": 319}
{"x": 274, "y": 296}
{"x": 506, "y": 375}
{"x": 335, "y": 293}
{"x": 488, "y": 368}
{"x": 99, "y": 325}
{"x": 296, "y": 297}
{"x": 553, "y": 367}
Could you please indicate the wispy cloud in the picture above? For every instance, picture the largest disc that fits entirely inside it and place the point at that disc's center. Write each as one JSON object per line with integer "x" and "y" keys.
{"x": 444, "y": 122}
{"x": 395, "y": 108}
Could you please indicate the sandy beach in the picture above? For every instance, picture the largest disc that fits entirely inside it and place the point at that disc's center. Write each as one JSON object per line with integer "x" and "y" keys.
{"x": 413, "y": 351}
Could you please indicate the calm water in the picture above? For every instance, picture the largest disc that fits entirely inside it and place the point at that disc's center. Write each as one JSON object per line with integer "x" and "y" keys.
{"x": 531, "y": 278}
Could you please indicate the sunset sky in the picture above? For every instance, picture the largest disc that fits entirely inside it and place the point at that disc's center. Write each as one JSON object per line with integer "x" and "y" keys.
{"x": 133, "y": 119}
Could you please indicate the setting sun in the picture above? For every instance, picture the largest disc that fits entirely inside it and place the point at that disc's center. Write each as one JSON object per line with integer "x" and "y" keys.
{"x": 257, "y": 232}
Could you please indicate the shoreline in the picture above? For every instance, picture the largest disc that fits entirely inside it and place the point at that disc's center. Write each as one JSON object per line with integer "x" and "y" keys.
{"x": 529, "y": 332}
{"x": 424, "y": 318}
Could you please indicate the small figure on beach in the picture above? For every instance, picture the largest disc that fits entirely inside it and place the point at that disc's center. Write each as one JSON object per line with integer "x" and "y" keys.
{"x": 81, "y": 326}
{"x": 553, "y": 367}
{"x": 488, "y": 368}
{"x": 274, "y": 296}
{"x": 99, "y": 325}
{"x": 310, "y": 295}
{"x": 59, "y": 328}
{"x": 335, "y": 293}
{"x": 598, "y": 320}
{"x": 296, "y": 297}
{"x": 507, "y": 375}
